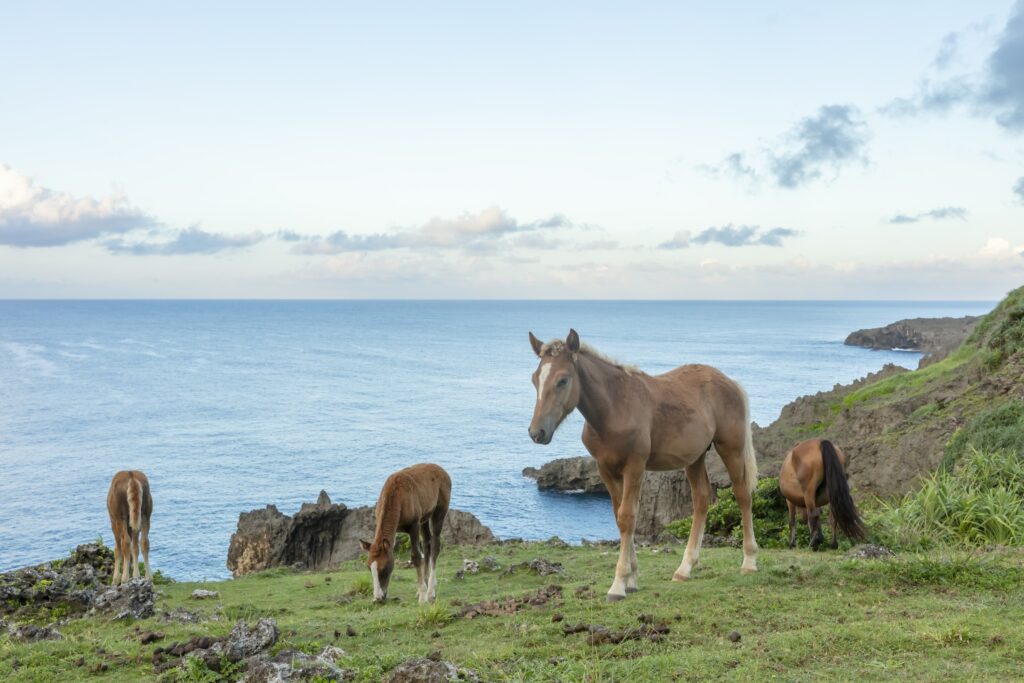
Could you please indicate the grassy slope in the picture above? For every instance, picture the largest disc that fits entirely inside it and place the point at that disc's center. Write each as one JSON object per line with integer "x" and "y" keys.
{"x": 803, "y": 616}
{"x": 897, "y": 428}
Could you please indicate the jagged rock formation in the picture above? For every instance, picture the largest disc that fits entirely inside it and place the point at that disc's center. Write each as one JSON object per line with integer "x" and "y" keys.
{"x": 322, "y": 535}
{"x": 934, "y": 337}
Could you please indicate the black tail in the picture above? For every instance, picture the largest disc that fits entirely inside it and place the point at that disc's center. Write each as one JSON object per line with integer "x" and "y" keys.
{"x": 842, "y": 508}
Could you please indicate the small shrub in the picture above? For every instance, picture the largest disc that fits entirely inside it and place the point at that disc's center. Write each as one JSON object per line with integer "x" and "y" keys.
{"x": 433, "y": 616}
{"x": 362, "y": 586}
{"x": 998, "y": 429}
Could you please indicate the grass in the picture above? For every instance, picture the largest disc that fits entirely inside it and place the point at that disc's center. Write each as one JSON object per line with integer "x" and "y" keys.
{"x": 803, "y": 616}
{"x": 912, "y": 383}
{"x": 976, "y": 503}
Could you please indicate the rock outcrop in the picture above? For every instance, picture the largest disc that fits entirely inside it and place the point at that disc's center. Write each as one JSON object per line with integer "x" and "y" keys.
{"x": 322, "y": 535}
{"x": 934, "y": 337}
{"x": 71, "y": 583}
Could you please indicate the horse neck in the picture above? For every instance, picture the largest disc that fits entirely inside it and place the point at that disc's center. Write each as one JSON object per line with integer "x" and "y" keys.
{"x": 600, "y": 387}
{"x": 387, "y": 519}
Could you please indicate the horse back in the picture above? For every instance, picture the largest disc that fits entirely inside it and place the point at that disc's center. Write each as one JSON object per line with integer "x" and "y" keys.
{"x": 418, "y": 490}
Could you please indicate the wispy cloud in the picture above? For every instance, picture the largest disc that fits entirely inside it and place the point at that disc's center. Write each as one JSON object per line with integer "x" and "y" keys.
{"x": 822, "y": 144}
{"x": 943, "y": 213}
{"x": 479, "y": 230}
{"x": 35, "y": 216}
{"x": 1018, "y": 189}
{"x": 731, "y": 236}
{"x": 826, "y": 142}
{"x": 193, "y": 240}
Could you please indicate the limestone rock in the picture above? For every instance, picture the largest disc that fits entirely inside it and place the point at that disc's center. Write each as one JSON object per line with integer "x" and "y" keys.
{"x": 935, "y": 337}
{"x": 322, "y": 535}
{"x": 425, "y": 670}
{"x": 132, "y": 599}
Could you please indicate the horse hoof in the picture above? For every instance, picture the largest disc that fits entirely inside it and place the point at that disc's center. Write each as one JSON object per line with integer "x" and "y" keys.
{"x": 631, "y": 590}
{"x": 680, "y": 577}
{"x": 748, "y": 570}
{"x": 615, "y": 597}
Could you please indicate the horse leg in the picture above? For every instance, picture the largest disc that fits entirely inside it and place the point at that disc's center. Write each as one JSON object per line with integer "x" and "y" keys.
{"x": 732, "y": 458}
{"x": 625, "y": 577}
{"x": 813, "y": 518}
{"x": 792, "y": 524}
{"x": 115, "y": 579}
{"x": 700, "y": 488}
{"x": 417, "y": 558}
{"x": 134, "y": 533}
{"x": 126, "y": 545}
{"x": 144, "y": 533}
{"x": 436, "y": 525}
{"x": 833, "y": 524}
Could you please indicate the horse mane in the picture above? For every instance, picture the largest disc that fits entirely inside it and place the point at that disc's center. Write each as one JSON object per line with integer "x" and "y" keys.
{"x": 556, "y": 346}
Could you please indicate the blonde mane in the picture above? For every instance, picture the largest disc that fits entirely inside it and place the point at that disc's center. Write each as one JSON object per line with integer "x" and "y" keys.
{"x": 556, "y": 346}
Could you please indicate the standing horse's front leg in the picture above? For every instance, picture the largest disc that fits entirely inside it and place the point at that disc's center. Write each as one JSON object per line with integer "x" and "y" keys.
{"x": 626, "y": 569}
{"x": 700, "y": 488}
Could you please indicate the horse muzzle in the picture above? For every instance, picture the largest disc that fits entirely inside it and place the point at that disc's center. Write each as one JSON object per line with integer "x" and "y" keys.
{"x": 541, "y": 435}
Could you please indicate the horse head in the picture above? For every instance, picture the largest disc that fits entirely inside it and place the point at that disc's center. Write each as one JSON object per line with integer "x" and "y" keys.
{"x": 557, "y": 381}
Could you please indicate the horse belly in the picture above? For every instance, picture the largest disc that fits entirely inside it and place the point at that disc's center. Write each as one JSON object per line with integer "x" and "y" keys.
{"x": 664, "y": 461}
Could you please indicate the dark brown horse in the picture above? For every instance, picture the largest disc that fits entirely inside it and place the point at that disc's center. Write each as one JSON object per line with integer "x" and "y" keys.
{"x": 637, "y": 422}
{"x": 413, "y": 501}
{"x": 811, "y": 477}
{"x": 130, "y": 505}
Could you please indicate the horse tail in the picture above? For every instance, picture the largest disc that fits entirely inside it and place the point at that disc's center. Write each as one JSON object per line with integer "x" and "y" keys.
{"x": 134, "y": 495}
{"x": 843, "y": 510}
{"x": 749, "y": 456}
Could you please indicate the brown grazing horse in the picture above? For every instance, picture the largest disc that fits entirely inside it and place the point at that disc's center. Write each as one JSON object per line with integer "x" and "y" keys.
{"x": 812, "y": 476}
{"x": 130, "y": 505}
{"x": 637, "y": 422}
{"x": 413, "y": 501}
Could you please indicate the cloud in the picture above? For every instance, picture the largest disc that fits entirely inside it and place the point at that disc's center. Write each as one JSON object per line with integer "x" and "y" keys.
{"x": 1018, "y": 189}
{"x": 943, "y": 213}
{"x": 736, "y": 166}
{"x": 835, "y": 137}
{"x": 481, "y": 230}
{"x": 731, "y": 236}
{"x": 35, "y": 216}
{"x": 1004, "y": 89}
{"x": 996, "y": 90}
{"x": 192, "y": 240}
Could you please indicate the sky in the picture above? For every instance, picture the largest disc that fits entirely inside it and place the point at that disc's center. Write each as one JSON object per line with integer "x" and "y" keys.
{"x": 576, "y": 150}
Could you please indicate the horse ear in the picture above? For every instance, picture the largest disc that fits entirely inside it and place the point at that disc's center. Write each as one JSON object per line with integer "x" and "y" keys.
{"x": 572, "y": 340}
{"x": 365, "y": 545}
{"x": 537, "y": 344}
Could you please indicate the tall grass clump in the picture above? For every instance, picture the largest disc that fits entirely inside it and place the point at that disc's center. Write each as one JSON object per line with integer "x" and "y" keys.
{"x": 998, "y": 429}
{"x": 979, "y": 502}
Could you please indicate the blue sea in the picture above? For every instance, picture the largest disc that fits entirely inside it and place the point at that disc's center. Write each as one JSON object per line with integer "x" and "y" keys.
{"x": 231, "y": 405}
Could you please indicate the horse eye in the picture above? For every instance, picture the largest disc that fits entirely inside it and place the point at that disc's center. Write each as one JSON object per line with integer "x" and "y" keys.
{"x": 562, "y": 382}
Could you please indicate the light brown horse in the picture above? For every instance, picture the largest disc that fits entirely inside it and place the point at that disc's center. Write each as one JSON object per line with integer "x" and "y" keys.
{"x": 811, "y": 477}
{"x": 637, "y": 422}
{"x": 413, "y": 501}
{"x": 130, "y": 505}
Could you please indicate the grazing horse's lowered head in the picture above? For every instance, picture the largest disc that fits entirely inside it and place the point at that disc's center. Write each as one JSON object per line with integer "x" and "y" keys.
{"x": 557, "y": 383}
{"x": 381, "y": 561}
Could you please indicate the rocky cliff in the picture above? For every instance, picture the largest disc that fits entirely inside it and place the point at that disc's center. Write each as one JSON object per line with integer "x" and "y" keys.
{"x": 936, "y": 338}
{"x": 323, "y": 535}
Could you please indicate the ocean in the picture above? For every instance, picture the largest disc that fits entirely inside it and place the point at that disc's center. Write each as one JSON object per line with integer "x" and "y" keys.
{"x": 231, "y": 405}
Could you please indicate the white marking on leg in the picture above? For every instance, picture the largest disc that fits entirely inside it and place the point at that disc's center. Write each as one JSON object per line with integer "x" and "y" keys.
{"x": 545, "y": 370}
{"x": 432, "y": 583}
{"x": 378, "y": 593}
